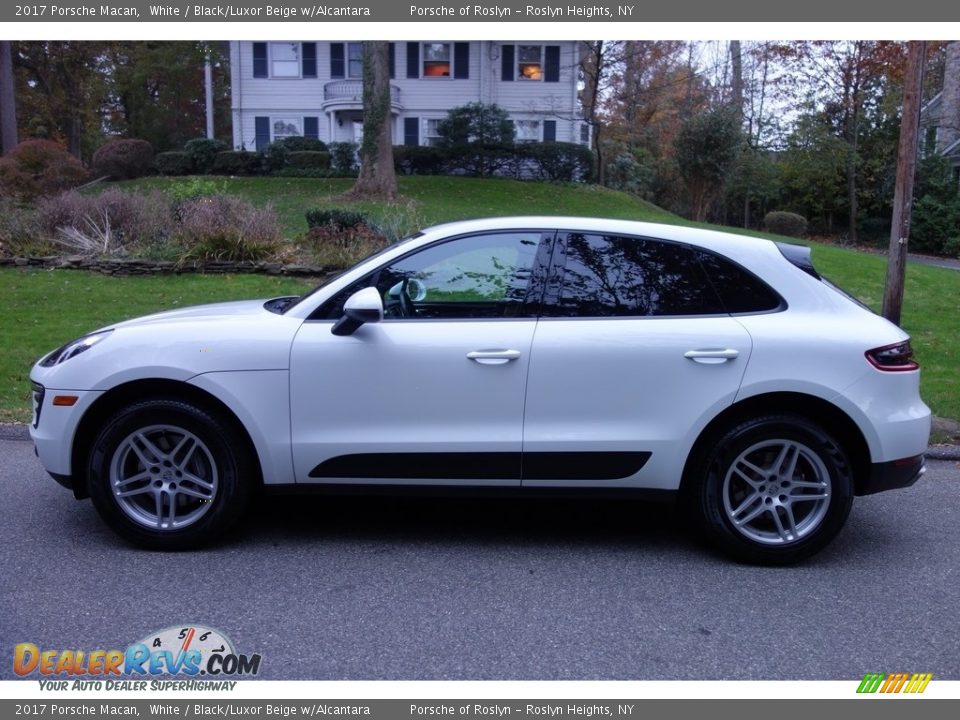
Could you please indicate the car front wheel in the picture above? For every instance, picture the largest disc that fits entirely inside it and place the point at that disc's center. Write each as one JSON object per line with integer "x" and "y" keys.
{"x": 169, "y": 475}
{"x": 774, "y": 490}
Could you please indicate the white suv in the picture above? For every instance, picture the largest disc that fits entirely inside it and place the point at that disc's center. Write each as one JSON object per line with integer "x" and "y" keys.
{"x": 520, "y": 354}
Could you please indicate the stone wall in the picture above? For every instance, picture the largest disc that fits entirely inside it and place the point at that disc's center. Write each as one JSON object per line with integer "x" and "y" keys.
{"x": 166, "y": 267}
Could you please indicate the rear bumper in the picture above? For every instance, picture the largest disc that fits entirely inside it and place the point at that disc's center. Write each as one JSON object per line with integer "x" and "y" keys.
{"x": 892, "y": 475}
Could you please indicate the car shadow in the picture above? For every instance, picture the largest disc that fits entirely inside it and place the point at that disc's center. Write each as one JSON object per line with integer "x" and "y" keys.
{"x": 513, "y": 521}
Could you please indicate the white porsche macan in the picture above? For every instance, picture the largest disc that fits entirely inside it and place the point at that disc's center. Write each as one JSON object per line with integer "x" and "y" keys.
{"x": 527, "y": 355}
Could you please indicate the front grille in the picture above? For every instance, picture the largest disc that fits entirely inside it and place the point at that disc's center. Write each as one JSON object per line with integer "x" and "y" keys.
{"x": 38, "y": 392}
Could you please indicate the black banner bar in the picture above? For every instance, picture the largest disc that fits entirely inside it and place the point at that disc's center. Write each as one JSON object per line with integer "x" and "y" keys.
{"x": 501, "y": 11}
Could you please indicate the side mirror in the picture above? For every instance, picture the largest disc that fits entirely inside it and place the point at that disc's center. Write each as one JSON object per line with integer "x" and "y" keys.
{"x": 364, "y": 306}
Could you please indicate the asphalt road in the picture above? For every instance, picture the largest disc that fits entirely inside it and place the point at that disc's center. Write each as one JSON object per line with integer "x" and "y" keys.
{"x": 335, "y": 588}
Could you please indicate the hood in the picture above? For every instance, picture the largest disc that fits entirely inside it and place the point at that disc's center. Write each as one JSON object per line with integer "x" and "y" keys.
{"x": 214, "y": 312}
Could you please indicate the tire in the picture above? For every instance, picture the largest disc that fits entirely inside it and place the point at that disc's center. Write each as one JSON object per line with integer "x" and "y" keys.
{"x": 169, "y": 474}
{"x": 773, "y": 490}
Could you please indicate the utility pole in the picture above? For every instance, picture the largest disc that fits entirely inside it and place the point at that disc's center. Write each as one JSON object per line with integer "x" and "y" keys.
{"x": 903, "y": 193}
{"x": 208, "y": 87}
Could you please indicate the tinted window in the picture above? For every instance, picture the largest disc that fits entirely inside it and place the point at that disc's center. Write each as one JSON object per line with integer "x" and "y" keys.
{"x": 739, "y": 290}
{"x": 609, "y": 276}
{"x": 482, "y": 276}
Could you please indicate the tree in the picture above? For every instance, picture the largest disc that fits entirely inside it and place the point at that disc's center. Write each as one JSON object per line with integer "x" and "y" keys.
{"x": 706, "y": 148}
{"x": 378, "y": 179}
{"x": 8, "y": 112}
{"x": 156, "y": 92}
{"x": 475, "y": 136}
{"x": 61, "y": 89}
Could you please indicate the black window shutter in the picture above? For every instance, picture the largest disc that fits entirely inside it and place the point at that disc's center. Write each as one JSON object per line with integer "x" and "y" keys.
{"x": 413, "y": 60}
{"x": 461, "y": 60}
{"x": 259, "y": 59}
{"x": 309, "y": 59}
{"x": 392, "y": 59}
{"x": 311, "y": 127}
{"x": 337, "y": 65}
{"x": 506, "y": 57}
{"x": 549, "y": 130}
{"x": 262, "y": 130}
{"x": 411, "y": 131}
{"x": 552, "y": 61}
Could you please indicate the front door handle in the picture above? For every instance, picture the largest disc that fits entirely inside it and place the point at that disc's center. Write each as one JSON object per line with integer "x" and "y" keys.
{"x": 493, "y": 357}
{"x": 712, "y": 357}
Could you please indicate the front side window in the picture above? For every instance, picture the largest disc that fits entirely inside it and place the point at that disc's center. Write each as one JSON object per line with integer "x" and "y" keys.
{"x": 437, "y": 61}
{"x": 611, "y": 276}
{"x": 530, "y": 62}
{"x": 481, "y": 276}
{"x": 285, "y": 59}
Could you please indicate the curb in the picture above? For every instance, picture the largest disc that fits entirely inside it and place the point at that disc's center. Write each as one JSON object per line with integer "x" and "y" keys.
{"x": 20, "y": 432}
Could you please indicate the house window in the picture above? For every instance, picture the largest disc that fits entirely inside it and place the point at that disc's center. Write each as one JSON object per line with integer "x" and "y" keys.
{"x": 527, "y": 130}
{"x": 285, "y": 59}
{"x": 432, "y": 134}
{"x": 355, "y": 60}
{"x": 285, "y": 127}
{"x": 436, "y": 60}
{"x": 584, "y": 134}
{"x": 530, "y": 62}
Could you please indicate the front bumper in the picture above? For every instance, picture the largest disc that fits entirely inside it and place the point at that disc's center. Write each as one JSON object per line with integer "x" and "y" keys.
{"x": 892, "y": 475}
{"x": 54, "y": 427}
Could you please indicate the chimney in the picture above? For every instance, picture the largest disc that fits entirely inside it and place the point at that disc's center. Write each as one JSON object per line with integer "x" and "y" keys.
{"x": 950, "y": 102}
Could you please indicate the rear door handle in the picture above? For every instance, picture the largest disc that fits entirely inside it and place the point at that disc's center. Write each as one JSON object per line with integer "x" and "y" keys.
{"x": 712, "y": 357}
{"x": 493, "y": 357}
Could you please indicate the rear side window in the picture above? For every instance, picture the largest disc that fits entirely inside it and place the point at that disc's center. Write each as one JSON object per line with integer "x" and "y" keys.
{"x": 739, "y": 290}
{"x": 613, "y": 276}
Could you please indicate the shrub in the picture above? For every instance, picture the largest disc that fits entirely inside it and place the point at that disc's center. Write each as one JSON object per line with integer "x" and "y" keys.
{"x": 559, "y": 161}
{"x": 173, "y": 163}
{"x": 124, "y": 159}
{"x": 20, "y": 233}
{"x": 340, "y": 219}
{"x": 227, "y": 228}
{"x": 333, "y": 247}
{"x": 337, "y": 217}
{"x": 39, "y": 167}
{"x": 482, "y": 160}
{"x": 295, "y": 143}
{"x": 203, "y": 152}
{"x": 419, "y": 160}
{"x": 195, "y": 187}
{"x": 935, "y": 220}
{"x": 272, "y": 157}
{"x": 343, "y": 156}
{"x": 111, "y": 223}
{"x": 235, "y": 162}
{"x": 785, "y": 223}
{"x": 304, "y": 159}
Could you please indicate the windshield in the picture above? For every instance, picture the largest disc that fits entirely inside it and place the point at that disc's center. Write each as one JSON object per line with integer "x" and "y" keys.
{"x": 333, "y": 277}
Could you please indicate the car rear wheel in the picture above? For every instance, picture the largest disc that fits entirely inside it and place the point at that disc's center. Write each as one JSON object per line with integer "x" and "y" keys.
{"x": 774, "y": 490}
{"x": 169, "y": 475}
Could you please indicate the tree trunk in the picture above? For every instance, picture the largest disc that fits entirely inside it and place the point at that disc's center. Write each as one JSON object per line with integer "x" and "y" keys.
{"x": 736, "y": 82}
{"x": 903, "y": 192}
{"x": 377, "y": 179}
{"x": 8, "y": 112}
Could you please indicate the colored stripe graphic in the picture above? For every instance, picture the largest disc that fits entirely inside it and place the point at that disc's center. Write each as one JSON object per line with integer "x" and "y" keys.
{"x": 870, "y": 683}
{"x": 895, "y": 682}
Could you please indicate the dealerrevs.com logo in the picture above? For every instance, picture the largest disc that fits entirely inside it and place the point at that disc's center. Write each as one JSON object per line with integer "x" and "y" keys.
{"x": 180, "y": 650}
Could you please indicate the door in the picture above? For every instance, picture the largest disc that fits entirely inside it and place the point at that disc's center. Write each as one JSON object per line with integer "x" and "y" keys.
{"x": 633, "y": 350}
{"x": 435, "y": 392}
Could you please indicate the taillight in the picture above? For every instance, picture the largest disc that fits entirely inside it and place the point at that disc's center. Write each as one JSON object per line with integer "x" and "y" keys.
{"x": 893, "y": 358}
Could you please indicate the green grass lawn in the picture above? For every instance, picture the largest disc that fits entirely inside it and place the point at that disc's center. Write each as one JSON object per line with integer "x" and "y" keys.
{"x": 43, "y": 309}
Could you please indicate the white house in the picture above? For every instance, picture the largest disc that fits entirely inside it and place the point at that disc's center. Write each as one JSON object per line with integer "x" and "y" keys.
{"x": 314, "y": 89}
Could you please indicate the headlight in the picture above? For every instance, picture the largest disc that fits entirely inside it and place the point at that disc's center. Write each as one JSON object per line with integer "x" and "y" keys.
{"x": 74, "y": 348}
